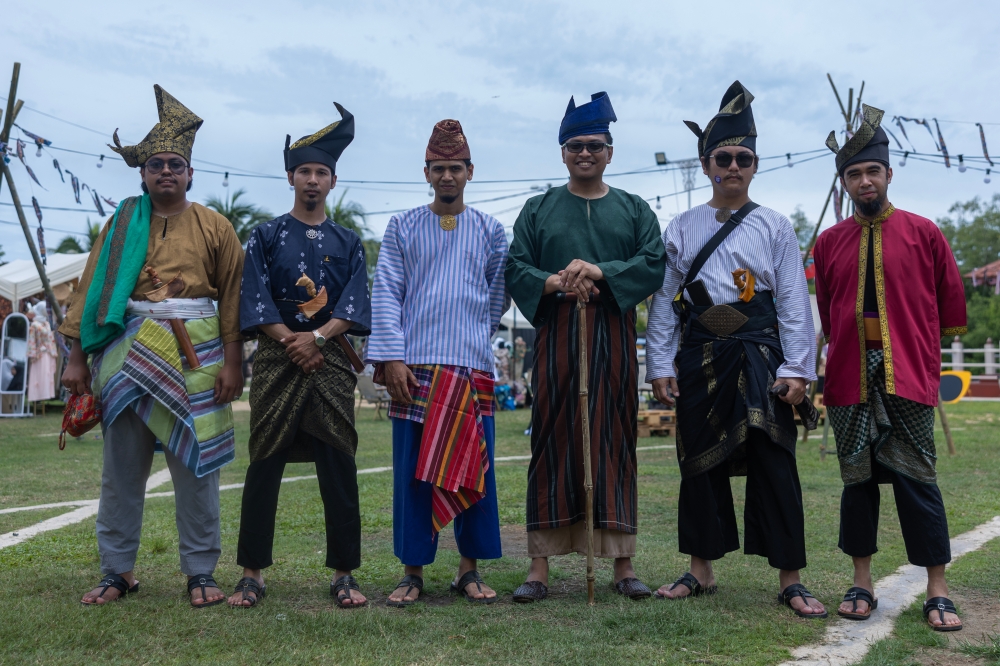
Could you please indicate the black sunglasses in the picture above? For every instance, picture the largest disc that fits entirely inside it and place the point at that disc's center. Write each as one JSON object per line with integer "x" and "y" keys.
{"x": 155, "y": 166}
{"x": 744, "y": 160}
{"x": 593, "y": 147}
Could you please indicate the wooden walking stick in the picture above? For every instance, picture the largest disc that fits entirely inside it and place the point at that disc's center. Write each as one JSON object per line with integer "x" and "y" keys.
{"x": 588, "y": 481}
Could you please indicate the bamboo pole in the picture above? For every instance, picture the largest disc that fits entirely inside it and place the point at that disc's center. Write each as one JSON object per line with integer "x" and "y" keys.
{"x": 11, "y": 114}
{"x": 945, "y": 426}
{"x": 588, "y": 481}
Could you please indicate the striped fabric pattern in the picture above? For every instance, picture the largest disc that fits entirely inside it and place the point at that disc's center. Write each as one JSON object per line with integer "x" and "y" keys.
{"x": 438, "y": 295}
{"x": 143, "y": 369}
{"x": 766, "y": 244}
{"x": 415, "y": 411}
{"x": 453, "y": 455}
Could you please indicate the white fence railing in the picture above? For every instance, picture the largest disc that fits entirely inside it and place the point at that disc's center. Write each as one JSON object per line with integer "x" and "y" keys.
{"x": 958, "y": 352}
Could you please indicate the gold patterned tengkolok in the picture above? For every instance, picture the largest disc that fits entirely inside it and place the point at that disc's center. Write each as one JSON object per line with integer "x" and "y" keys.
{"x": 173, "y": 134}
{"x": 448, "y": 222}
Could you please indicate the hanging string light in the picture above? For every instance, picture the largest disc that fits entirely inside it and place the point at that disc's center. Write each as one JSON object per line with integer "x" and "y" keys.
{"x": 986, "y": 179}
{"x": 100, "y": 162}
{"x": 788, "y": 156}
{"x": 225, "y": 180}
{"x": 906, "y": 154}
{"x": 961, "y": 164}
{"x": 658, "y": 204}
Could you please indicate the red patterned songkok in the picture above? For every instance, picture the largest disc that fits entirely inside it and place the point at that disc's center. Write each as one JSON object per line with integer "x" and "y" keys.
{"x": 447, "y": 142}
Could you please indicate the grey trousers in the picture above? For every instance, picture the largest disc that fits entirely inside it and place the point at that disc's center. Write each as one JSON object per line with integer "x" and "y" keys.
{"x": 128, "y": 457}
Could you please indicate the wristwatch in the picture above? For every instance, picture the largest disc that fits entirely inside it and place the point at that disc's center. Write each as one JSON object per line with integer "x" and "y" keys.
{"x": 320, "y": 340}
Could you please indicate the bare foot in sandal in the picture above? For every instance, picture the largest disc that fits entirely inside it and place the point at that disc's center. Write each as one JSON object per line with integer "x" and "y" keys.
{"x": 345, "y": 590}
{"x": 204, "y": 591}
{"x": 110, "y": 589}
{"x": 246, "y": 596}
{"x": 406, "y": 594}
{"x": 704, "y": 582}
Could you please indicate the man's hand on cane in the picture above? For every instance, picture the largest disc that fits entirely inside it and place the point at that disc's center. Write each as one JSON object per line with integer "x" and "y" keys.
{"x": 398, "y": 380}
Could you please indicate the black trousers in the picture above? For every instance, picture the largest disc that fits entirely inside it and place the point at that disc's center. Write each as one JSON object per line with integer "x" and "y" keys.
{"x": 338, "y": 485}
{"x": 773, "y": 517}
{"x": 921, "y": 516}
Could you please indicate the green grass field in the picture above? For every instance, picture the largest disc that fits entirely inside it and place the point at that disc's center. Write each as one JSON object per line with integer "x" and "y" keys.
{"x": 42, "y": 579}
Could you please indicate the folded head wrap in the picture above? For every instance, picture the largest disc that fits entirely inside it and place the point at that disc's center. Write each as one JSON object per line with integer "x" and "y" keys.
{"x": 325, "y": 146}
{"x": 173, "y": 134}
{"x": 447, "y": 142}
{"x": 869, "y": 144}
{"x": 594, "y": 117}
{"x": 733, "y": 125}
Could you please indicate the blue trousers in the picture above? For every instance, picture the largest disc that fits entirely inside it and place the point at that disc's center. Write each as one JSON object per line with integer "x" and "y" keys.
{"x": 477, "y": 529}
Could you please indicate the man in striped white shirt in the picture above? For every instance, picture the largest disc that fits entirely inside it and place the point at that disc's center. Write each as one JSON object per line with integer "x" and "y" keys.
{"x": 740, "y": 325}
{"x": 437, "y": 301}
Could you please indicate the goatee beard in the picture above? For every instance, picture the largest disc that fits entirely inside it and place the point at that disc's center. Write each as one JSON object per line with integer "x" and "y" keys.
{"x": 311, "y": 205}
{"x": 448, "y": 199}
{"x": 871, "y": 209}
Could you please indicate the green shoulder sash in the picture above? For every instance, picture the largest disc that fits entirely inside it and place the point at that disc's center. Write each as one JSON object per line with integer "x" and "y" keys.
{"x": 122, "y": 258}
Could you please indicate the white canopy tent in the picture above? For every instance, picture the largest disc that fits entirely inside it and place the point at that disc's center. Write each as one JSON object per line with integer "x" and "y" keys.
{"x": 19, "y": 279}
{"x": 512, "y": 319}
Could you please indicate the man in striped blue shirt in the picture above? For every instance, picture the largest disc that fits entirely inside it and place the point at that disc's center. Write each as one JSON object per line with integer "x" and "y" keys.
{"x": 739, "y": 321}
{"x": 437, "y": 300}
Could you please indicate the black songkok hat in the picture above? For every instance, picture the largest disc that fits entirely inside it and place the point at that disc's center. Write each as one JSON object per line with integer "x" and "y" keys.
{"x": 869, "y": 144}
{"x": 325, "y": 146}
{"x": 733, "y": 125}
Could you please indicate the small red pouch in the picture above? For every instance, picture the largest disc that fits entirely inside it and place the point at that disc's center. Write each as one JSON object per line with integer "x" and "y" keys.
{"x": 81, "y": 414}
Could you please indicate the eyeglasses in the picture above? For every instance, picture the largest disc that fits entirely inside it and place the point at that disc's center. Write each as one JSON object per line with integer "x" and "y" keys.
{"x": 176, "y": 165}
{"x": 744, "y": 159}
{"x": 593, "y": 147}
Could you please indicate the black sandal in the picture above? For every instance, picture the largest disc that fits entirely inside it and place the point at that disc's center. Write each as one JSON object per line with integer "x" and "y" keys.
{"x": 117, "y": 582}
{"x": 345, "y": 583}
{"x": 410, "y": 581}
{"x": 942, "y": 605}
{"x": 856, "y": 594}
{"x": 690, "y": 582}
{"x": 469, "y": 578}
{"x": 633, "y": 588}
{"x": 202, "y": 581}
{"x": 248, "y": 585}
{"x": 799, "y": 590}
{"x": 531, "y": 591}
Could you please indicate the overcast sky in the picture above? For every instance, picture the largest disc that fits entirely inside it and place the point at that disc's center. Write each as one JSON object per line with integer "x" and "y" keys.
{"x": 506, "y": 71}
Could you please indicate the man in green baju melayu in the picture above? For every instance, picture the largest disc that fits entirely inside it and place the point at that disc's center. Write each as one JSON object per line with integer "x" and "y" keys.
{"x": 584, "y": 240}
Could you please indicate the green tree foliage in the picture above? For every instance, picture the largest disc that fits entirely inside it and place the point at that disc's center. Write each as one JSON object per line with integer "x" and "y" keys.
{"x": 803, "y": 227}
{"x": 243, "y": 215}
{"x": 351, "y": 215}
{"x": 984, "y": 321}
{"x": 72, "y": 244}
{"x": 973, "y": 231}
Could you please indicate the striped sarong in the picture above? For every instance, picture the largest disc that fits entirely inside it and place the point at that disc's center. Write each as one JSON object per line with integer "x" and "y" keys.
{"x": 453, "y": 455}
{"x": 143, "y": 369}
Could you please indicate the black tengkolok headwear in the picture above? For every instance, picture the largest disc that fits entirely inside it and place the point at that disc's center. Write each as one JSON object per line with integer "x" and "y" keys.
{"x": 733, "y": 125}
{"x": 869, "y": 144}
{"x": 325, "y": 146}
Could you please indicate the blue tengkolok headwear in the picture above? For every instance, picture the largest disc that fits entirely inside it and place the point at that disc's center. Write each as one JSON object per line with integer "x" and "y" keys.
{"x": 594, "y": 117}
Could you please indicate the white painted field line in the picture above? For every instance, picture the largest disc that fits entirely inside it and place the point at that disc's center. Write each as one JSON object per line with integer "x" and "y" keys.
{"x": 88, "y": 508}
{"x": 846, "y": 642}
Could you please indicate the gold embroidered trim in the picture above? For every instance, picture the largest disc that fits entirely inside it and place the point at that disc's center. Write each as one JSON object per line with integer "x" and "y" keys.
{"x": 313, "y": 138}
{"x": 954, "y": 330}
{"x": 883, "y": 318}
{"x": 859, "y": 307}
{"x": 706, "y": 366}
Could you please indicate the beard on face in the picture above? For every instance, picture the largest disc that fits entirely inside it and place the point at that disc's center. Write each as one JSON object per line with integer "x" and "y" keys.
{"x": 448, "y": 199}
{"x": 311, "y": 205}
{"x": 871, "y": 208}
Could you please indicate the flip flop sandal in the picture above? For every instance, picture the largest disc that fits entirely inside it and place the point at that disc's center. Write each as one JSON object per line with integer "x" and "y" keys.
{"x": 469, "y": 578}
{"x": 942, "y": 605}
{"x": 633, "y": 588}
{"x": 856, "y": 594}
{"x": 248, "y": 585}
{"x": 799, "y": 590}
{"x": 690, "y": 582}
{"x": 345, "y": 583}
{"x": 410, "y": 582}
{"x": 531, "y": 591}
{"x": 202, "y": 581}
{"x": 117, "y": 582}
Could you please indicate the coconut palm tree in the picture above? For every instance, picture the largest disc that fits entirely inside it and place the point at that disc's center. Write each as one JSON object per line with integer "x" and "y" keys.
{"x": 243, "y": 216}
{"x": 351, "y": 215}
{"x": 72, "y": 245}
